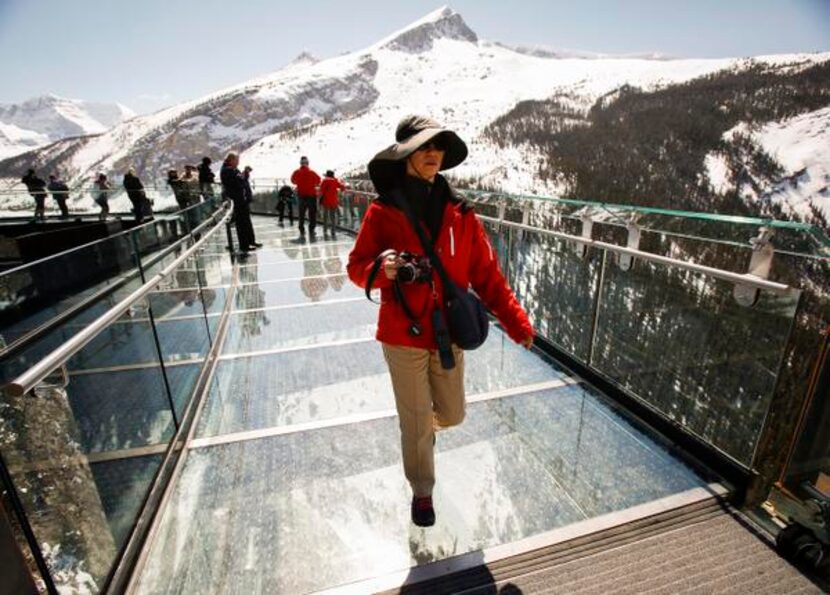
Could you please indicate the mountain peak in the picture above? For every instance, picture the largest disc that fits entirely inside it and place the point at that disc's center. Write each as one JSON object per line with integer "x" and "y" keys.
{"x": 418, "y": 36}
{"x": 305, "y": 58}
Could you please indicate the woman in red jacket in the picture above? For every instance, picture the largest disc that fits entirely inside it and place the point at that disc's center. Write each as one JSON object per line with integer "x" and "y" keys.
{"x": 388, "y": 255}
{"x": 329, "y": 202}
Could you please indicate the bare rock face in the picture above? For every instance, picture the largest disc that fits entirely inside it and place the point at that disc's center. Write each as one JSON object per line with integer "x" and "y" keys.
{"x": 239, "y": 119}
{"x": 40, "y": 439}
{"x": 446, "y": 25}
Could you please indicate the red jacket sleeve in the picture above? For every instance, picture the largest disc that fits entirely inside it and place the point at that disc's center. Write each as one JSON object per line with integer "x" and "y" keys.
{"x": 294, "y": 177}
{"x": 367, "y": 247}
{"x": 489, "y": 283}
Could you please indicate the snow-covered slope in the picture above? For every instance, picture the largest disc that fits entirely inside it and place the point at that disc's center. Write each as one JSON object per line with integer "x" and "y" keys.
{"x": 39, "y": 121}
{"x": 342, "y": 110}
{"x": 801, "y": 145}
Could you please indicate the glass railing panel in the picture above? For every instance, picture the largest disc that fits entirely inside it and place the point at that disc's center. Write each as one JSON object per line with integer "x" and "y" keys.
{"x": 565, "y": 215}
{"x": 679, "y": 341}
{"x": 36, "y": 293}
{"x": 82, "y": 450}
{"x": 556, "y": 284}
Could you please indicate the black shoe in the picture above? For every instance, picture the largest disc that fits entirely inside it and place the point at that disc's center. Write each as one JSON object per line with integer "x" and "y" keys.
{"x": 423, "y": 514}
{"x": 256, "y": 245}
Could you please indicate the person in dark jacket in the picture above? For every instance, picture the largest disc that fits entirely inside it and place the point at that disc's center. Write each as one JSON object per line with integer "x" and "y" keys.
{"x": 60, "y": 192}
{"x": 37, "y": 189}
{"x": 285, "y": 199}
{"x": 135, "y": 192}
{"x": 246, "y": 178}
{"x": 428, "y": 396}
{"x": 306, "y": 180}
{"x": 177, "y": 187}
{"x": 233, "y": 186}
{"x": 206, "y": 178}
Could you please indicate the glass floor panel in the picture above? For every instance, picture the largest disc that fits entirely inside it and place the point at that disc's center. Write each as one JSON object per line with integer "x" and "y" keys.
{"x": 317, "y": 509}
{"x": 273, "y": 255}
{"x": 307, "y": 267}
{"x": 292, "y": 292}
{"x": 295, "y": 327}
{"x": 323, "y": 383}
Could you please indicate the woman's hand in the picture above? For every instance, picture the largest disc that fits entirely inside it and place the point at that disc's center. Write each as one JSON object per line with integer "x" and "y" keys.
{"x": 527, "y": 343}
{"x": 390, "y": 265}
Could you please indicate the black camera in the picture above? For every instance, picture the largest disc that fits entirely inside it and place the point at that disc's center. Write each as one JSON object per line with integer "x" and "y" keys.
{"x": 415, "y": 269}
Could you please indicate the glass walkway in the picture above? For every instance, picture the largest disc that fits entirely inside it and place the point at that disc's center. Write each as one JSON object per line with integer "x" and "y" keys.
{"x": 293, "y": 481}
{"x": 211, "y": 424}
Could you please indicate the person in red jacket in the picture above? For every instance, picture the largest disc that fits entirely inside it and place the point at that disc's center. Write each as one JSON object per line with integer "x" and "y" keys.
{"x": 306, "y": 180}
{"x": 329, "y": 201}
{"x": 427, "y": 396}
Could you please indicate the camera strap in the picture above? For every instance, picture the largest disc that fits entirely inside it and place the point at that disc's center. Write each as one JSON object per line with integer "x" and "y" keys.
{"x": 446, "y": 284}
{"x": 439, "y": 322}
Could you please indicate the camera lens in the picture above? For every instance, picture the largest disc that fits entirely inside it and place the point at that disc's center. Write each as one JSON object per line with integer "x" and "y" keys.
{"x": 407, "y": 272}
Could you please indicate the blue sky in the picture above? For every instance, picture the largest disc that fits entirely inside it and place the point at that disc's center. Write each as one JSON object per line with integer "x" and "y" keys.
{"x": 151, "y": 53}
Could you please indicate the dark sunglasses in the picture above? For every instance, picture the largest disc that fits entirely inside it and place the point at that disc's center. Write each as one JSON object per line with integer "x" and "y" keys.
{"x": 436, "y": 145}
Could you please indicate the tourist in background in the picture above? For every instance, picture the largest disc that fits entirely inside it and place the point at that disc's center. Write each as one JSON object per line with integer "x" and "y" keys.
{"x": 175, "y": 184}
{"x": 246, "y": 178}
{"x": 306, "y": 180}
{"x": 233, "y": 186}
{"x": 190, "y": 186}
{"x": 285, "y": 200}
{"x": 206, "y": 178}
{"x": 37, "y": 189}
{"x": 142, "y": 207}
{"x": 101, "y": 195}
{"x": 60, "y": 193}
{"x": 329, "y": 202}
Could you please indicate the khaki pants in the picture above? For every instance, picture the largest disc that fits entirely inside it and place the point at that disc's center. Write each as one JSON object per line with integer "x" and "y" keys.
{"x": 428, "y": 398}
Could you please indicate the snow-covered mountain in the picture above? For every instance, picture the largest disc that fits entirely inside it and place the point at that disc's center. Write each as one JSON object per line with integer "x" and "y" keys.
{"x": 342, "y": 110}
{"x": 42, "y": 120}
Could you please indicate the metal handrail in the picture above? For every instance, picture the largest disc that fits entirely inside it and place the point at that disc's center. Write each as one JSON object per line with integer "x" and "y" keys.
{"x": 740, "y": 278}
{"x": 107, "y": 238}
{"x": 31, "y": 377}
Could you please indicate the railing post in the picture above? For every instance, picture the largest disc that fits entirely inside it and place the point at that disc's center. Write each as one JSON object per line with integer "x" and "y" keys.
{"x": 592, "y": 341}
{"x": 760, "y": 265}
{"x": 626, "y": 261}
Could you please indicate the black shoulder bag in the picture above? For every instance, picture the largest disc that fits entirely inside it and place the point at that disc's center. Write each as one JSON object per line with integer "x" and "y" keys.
{"x": 466, "y": 316}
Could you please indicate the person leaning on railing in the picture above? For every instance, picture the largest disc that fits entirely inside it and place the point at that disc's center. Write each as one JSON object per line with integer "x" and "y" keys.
{"x": 142, "y": 206}
{"x": 60, "y": 192}
{"x": 285, "y": 200}
{"x": 206, "y": 178}
{"x": 101, "y": 195}
{"x": 429, "y": 392}
{"x": 37, "y": 189}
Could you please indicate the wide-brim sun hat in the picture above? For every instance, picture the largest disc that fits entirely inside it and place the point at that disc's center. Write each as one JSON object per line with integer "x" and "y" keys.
{"x": 411, "y": 133}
